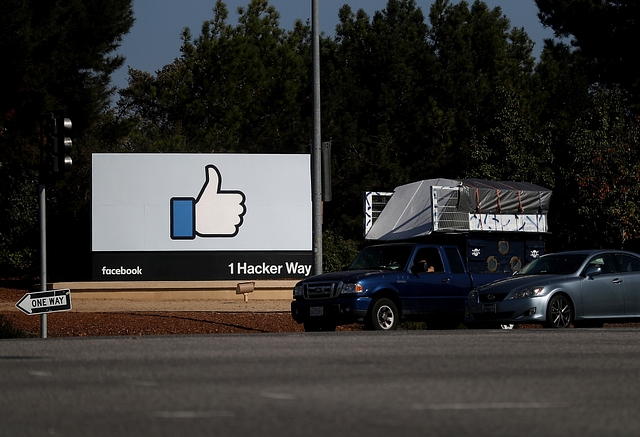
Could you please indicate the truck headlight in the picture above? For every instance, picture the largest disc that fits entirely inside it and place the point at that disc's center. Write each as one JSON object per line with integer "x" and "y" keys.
{"x": 528, "y": 292}
{"x": 352, "y": 288}
{"x": 297, "y": 290}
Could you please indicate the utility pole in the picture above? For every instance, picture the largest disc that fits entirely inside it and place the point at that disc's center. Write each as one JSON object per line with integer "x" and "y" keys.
{"x": 316, "y": 152}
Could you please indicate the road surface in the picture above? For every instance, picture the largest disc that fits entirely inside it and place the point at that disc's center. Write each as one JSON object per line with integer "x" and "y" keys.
{"x": 423, "y": 383}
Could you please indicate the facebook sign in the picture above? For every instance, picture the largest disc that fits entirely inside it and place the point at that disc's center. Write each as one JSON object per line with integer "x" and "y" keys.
{"x": 201, "y": 216}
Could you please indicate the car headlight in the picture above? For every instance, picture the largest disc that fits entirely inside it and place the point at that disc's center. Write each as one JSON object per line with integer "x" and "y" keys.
{"x": 351, "y": 288}
{"x": 528, "y": 292}
{"x": 297, "y": 290}
{"x": 473, "y": 295}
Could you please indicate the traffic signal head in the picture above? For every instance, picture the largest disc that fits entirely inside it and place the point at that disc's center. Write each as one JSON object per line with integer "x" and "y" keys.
{"x": 56, "y": 147}
{"x": 62, "y": 146}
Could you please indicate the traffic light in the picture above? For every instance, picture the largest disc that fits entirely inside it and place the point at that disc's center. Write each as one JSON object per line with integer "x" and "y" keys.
{"x": 62, "y": 146}
{"x": 56, "y": 147}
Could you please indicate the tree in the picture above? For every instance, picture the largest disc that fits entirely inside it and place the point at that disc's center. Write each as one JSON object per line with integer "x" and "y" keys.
{"x": 477, "y": 53}
{"x": 375, "y": 82}
{"x": 56, "y": 56}
{"x": 606, "y": 34}
{"x": 513, "y": 150}
{"x": 234, "y": 89}
{"x": 601, "y": 185}
{"x": 59, "y": 56}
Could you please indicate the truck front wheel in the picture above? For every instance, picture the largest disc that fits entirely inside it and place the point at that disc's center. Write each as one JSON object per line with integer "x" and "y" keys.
{"x": 384, "y": 315}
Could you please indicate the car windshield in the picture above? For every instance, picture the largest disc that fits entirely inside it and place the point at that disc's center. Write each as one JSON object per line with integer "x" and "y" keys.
{"x": 382, "y": 257}
{"x": 554, "y": 264}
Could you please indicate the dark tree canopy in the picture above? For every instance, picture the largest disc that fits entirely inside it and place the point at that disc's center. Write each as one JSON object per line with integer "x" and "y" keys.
{"x": 55, "y": 56}
{"x": 234, "y": 89}
{"x": 407, "y": 95}
{"x": 59, "y": 56}
{"x": 606, "y": 32}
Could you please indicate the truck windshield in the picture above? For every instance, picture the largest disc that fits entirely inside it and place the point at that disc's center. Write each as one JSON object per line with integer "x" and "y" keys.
{"x": 553, "y": 265}
{"x": 382, "y": 257}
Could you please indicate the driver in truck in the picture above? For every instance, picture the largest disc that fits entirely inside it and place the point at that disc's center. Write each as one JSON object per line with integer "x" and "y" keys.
{"x": 423, "y": 266}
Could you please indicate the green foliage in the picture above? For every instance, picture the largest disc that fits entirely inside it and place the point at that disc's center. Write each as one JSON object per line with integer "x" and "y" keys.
{"x": 606, "y": 35}
{"x": 512, "y": 149}
{"x": 56, "y": 56}
{"x": 337, "y": 253}
{"x": 561, "y": 89}
{"x": 405, "y": 96}
{"x": 375, "y": 106}
{"x": 234, "y": 89}
{"x": 18, "y": 223}
{"x": 477, "y": 53}
{"x": 404, "y": 100}
{"x": 603, "y": 178}
{"x": 59, "y": 56}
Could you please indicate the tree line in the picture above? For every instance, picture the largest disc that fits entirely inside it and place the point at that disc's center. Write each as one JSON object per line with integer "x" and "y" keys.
{"x": 453, "y": 92}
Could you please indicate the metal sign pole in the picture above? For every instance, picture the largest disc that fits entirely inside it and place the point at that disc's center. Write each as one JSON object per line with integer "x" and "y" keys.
{"x": 316, "y": 153}
{"x": 43, "y": 253}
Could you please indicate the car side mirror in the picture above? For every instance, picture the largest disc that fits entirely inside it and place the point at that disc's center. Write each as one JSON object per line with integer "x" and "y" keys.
{"x": 593, "y": 270}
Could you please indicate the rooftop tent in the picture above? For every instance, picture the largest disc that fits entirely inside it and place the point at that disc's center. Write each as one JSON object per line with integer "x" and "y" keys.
{"x": 445, "y": 205}
{"x": 477, "y": 195}
{"x": 409, "y": 211}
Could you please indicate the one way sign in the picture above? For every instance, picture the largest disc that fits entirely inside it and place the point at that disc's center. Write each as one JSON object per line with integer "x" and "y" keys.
{"x": 45, "y": 302}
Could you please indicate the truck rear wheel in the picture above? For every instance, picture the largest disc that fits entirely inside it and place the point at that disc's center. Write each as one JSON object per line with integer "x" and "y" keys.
{"x": 384, "y": 315}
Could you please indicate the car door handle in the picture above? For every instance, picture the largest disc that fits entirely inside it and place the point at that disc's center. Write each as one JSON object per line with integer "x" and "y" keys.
{"x": 617, "y": 281}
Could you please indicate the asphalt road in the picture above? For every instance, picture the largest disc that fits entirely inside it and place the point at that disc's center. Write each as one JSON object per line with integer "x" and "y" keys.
{"x": 404, "y": 383}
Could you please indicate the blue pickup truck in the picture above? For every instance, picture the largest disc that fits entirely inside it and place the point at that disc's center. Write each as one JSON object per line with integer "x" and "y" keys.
{"x": 387, "y": 283}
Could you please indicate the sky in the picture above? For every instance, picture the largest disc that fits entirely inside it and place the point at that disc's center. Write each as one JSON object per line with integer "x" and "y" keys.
{"x": 154, "y": 40}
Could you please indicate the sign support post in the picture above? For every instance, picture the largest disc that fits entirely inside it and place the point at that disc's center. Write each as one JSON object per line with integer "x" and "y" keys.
{"x": 316, "y": 152}
{"x": 43, "y": 253}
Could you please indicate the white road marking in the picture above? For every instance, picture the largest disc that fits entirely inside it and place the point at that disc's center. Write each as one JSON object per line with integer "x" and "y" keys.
{"x": 484, "y": 406}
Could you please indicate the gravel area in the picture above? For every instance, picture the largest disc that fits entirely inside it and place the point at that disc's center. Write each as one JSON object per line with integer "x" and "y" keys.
{"x": 90, "y": 318}
{"x": 118, "y": 317}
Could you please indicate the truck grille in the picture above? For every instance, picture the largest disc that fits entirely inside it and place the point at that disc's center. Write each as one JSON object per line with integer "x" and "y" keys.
{"x": 321, "y": 290}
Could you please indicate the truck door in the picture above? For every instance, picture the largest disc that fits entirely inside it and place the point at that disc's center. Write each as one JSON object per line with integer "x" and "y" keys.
{"x": 429, "y": 285}
{"x": 460, "y": 280}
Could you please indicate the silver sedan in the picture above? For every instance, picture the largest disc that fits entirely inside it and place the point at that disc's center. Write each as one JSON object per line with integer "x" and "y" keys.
{"x": 584, "y": 288}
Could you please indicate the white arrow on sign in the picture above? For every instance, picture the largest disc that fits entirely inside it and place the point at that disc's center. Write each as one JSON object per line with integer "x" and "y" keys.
{"x": 45, "y": 301}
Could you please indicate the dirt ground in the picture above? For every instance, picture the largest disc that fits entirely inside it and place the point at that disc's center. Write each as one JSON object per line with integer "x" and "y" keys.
{"x": 113, "y": 317}
{"x": 90, "y": 318}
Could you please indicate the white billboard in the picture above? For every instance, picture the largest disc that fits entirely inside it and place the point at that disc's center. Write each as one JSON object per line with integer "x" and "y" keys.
{"x": 157, "y": 203}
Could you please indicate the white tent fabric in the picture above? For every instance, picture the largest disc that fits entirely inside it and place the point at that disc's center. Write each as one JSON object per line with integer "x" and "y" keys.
{"x": 410, "y": 211}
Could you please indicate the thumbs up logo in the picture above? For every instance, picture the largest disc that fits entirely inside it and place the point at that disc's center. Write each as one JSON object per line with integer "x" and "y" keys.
{"x": 215, "y": 213}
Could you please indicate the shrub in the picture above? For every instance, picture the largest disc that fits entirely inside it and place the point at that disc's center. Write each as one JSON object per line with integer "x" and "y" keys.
{"x": 7, "y": 330}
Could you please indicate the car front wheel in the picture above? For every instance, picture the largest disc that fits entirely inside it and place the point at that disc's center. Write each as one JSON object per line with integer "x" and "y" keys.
{"x": 559, "y": 312}
{"x": 384, "y": 315}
